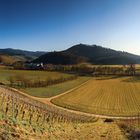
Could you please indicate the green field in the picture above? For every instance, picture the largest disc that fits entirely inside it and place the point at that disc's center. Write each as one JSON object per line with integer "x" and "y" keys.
{"x": 107, "y": 96}
{"x": 55, "y": 89}
{"x": 48, "y": 91}
{"x": 31, "y": 75}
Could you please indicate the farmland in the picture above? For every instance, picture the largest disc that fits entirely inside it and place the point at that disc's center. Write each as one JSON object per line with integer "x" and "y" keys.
{"x": 30, "y": 75}
{"x": 45, "y": 91}
{"x": 26, "y": 117}
{"x": 53, "y": 90}
{"x": 116, "y": 96}
{"x": 22, "y": 117}
{"x": 37, "y": 118}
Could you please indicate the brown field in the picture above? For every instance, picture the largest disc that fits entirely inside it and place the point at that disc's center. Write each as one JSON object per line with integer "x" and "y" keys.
{"x": 118, "y": 96}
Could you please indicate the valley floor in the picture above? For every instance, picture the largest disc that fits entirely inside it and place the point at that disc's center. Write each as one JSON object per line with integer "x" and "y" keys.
{"x": 17, "y": 130}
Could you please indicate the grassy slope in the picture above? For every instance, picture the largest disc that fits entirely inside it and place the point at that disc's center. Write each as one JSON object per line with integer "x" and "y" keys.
{"x": 55, "y": 89}
{"x": 118, "y": 96}
{"x": 7, "y": 60}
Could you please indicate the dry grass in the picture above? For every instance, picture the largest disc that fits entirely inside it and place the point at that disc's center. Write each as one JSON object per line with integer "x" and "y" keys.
{"x": 107, "y": 96}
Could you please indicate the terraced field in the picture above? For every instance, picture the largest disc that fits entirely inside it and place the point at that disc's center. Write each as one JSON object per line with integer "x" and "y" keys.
{"x": 105, "y": 96}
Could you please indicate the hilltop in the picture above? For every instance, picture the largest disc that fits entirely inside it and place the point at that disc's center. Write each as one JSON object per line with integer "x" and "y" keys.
{"x": 88, "y": 53}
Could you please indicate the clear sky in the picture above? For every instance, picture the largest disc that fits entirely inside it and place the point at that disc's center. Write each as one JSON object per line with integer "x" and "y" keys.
{"x": 49, "y": 25}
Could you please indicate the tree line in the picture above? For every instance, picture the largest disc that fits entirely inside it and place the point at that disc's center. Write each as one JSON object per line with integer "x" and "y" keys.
{"x": 94, "y": 70}
{"x": 85, "y": 69}
{"x": 24, "y": 82}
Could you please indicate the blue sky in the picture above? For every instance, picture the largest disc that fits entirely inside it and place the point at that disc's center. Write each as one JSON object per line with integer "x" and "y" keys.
{"x": 49, "y": 25}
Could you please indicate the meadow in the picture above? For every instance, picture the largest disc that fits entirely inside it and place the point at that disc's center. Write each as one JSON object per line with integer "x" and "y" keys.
{"x": 53, "y": 90}
{"x": 5, "y": 74}
{"x": 45, "y": 91}
{"x": 115, "y": 96}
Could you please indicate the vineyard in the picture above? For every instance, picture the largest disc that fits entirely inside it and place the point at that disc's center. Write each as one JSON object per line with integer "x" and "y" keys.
{"x": 24, "y": 118}
{"x": 116, "y": 96}
{"x": 16, "y": 105}
{"x": 18, "y": 109}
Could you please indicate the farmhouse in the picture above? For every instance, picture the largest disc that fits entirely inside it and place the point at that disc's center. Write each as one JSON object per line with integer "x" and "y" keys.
{"x": 34, "y": 66}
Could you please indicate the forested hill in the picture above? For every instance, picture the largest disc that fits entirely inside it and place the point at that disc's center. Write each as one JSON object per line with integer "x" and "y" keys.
{"x": 88, "y": 53}
{"x": 10, "y": 51}
{"x": 17, "y": 54}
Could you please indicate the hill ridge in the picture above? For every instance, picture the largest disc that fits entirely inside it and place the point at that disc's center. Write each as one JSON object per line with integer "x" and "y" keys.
{"x": 17, "y": 55}
{"x": 88, "y": 53}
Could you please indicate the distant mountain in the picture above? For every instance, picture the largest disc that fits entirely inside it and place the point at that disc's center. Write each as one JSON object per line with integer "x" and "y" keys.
{"x": 20, "y": 54}
{"x": 88, "y": 53}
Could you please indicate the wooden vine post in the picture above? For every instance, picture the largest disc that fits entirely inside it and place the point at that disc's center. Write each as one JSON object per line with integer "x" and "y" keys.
{"x": 13, "y": 109}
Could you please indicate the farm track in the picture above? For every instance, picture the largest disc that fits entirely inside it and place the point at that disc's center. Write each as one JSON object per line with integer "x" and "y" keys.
{"x": 47, "y": 101}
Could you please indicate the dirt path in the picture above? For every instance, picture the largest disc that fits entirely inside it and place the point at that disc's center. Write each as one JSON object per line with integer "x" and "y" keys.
{"x": 48, "y": 102}
{"x": 49, "y": 99}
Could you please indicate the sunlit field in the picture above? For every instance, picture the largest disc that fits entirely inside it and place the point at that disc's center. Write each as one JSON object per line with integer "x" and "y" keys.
{"x": 29, "y": 74}
{"x": 118, "y": 96}
{"x": 54, "y": 90}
